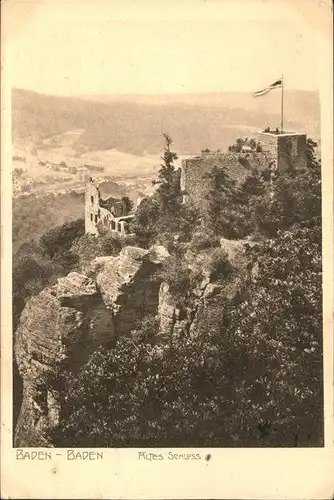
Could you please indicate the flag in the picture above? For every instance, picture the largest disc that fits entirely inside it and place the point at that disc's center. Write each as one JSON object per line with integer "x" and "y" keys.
{"x": 275, "y": 85}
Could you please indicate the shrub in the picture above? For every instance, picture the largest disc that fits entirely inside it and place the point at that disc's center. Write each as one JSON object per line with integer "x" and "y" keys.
{"x": 29, "y": 278}
{"x": 204, "y": 240}
{"x": 62, "y": 237}
{"x": 127, "y": 203}
{"x": 176, "y": 274}
{"x": 219, "y": 264}
{"x": 89, "y": 246}
{"x": 111, "y": 244}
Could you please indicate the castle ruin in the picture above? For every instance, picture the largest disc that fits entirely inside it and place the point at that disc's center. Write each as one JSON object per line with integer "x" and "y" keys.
{"x": 279, "y": 151}
{"x": 111, "y": 213}
{"x": 286, "y": 149}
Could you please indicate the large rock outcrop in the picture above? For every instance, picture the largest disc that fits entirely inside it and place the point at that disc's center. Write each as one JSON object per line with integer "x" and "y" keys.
{"x": 65, "y": 323}
{"x": 61, "y": 326}
{"x": 186, "y": 317}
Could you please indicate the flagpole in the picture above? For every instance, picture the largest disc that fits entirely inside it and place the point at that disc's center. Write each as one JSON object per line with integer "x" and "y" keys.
{"x": 282, "y": 99}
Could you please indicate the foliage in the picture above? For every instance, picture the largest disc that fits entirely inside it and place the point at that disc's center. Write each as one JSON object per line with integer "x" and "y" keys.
{"x": 311, "y": 157}
{"x": 88, "y": 246}
{"x": 111, "y": 244}
{"x": 144, "y": 224}
{"x": 35, "y": 265}
{"x": 251, "y": 378}
{"x": 29, "y": 278}
{"x": 219, "y": 264}
{"x": 61, "y": 238}
{"x": 176, "y": 274}
{"x": 63, "y": 262}
{"x": 35, "y": 215}
{"x": 168, "y": 179}
{"x": 275, "y": 335}
{"x": 245, "y": 143}
{"x": 294, "y": 197}
{"x": 164, "y": 216}
{"x": 18, "y": 172}
{"x": 253, "y": 185}
{"x": 156, "y": 395}
{"x": 127, "y": 203}
{"x": 202, "y": 240}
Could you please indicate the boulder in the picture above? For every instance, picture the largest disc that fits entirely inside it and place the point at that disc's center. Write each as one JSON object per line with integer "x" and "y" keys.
{"x": 127, "y": 285}
{"x": 236, "y": 252}
{"x": 74, "y": 290}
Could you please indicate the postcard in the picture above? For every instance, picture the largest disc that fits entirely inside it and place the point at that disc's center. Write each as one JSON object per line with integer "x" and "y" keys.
{"x": 167, "y": 249}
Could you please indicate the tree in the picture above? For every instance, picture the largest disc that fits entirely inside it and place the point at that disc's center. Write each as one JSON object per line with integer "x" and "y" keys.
{"x": 275, "y": 336}
{"x": 62, "y": 237}
{"x": 127, "y": 203}
{"x": 111, "y": 244}
{"x": 251, "y": 143}
{"x": 311, "y": 157}
{"x": 220, "y": 198}
{"x": 29, "y": 278}
{"x": 18, "y": 172}
{"x": 294, "y": 196}
{"x": 88, "y": 247}
{"x": 37, "y": 265}
{"x": 146, "y": 393}
{"x": 169, "y": 191}
{"x": 144, "y": 223}
{"x": 163, "y": 216}
{"x": 253, "y": 185}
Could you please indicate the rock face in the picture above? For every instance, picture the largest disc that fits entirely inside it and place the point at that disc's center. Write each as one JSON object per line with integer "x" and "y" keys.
{"x": 126, "y": 285}
{"x": 57, "y": 326}
{"x": 177, "y": 320}
{"x": 65, "y": 323}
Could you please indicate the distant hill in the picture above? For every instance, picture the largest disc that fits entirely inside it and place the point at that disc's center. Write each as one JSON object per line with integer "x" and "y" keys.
{"x": 134, "y": 124}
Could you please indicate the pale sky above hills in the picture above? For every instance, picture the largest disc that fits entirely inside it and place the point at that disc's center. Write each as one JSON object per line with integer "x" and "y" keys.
{"x": 73, "y": 47}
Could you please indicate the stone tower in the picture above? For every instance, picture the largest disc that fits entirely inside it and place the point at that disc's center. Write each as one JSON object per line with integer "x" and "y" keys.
{"x": 287, "y": 149}
{"x": 92, "y": 207}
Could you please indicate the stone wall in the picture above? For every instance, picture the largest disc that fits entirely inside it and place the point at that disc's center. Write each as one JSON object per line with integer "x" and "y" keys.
{"x": 196, "y": 186}
{"x": 115, "y": 206}
{"x": 292, "y": 151}
{"x": 108, "y": 213}
{"x": 285, "y": 149}
{"x": 92, "y": 207}
{"x": 282, "y": 149}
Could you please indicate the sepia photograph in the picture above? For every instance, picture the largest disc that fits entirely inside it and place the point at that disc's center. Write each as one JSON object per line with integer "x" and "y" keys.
{"x": 167, "y": 237}
{"x": 167, "y": 278}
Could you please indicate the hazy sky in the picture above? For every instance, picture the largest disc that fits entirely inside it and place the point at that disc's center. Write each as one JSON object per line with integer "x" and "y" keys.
{"x": 112, "y": 47}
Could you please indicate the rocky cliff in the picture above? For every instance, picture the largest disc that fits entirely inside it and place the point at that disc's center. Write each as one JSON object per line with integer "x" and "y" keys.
{"x": 186, "y": 317}
{"x": 61, "y": 326}
{"x": 65, "y": 323}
